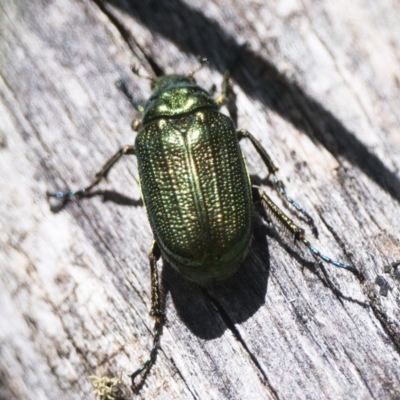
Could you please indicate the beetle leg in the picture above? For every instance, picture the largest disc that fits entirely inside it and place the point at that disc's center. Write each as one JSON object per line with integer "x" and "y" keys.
{"x": 226, "y": 88}
{"x": 298, "y": 232}
{"x": 278, "y": 184}
{"x": 69, "y": 194}
{"x": 156, "y": 306}
{"x": 228, "y": 97}
{"x": 156, "y": 310}
{"x": 227, "y": 94}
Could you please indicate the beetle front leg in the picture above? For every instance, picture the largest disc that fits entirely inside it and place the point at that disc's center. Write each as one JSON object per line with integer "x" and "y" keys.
{"x": 226, "y": 89}
{"x": 227, "y": 94}
{"x": 69, "y": 194}
{"x": 278, "y": 184}
{"x": 298, "y": 233}
{"x": 228, "y": 97}
{"x": 156, "y": 310}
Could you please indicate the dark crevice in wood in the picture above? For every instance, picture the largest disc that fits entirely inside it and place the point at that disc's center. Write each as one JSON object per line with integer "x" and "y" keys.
{"x": 365, "y": 381}
{"x": 359, "y": 275}
{"x": 388, "y": 327}
{"x": 136, "y": 49}
{"x": 313, "y": 267}
{"x": 183, "y": 379}
{"x": 231, "y": 326}
{"x": 339, "y": 295}
{"x": 380, "y": 316}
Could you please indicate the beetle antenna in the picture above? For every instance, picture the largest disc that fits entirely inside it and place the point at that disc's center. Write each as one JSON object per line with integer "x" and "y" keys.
{"x": 121, "y": 85}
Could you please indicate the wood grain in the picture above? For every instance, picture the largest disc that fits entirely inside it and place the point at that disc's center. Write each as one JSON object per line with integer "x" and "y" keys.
{"x": 318, "y": 83}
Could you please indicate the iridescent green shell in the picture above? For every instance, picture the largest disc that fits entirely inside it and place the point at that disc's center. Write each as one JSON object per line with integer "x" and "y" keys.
{"x": 194, "y": 182}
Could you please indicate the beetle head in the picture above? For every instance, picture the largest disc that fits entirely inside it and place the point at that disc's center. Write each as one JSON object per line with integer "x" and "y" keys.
{"x": 165, "y": 80}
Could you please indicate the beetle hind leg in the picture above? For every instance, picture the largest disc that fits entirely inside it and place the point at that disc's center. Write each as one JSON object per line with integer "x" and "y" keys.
{"x": 156, "y": 311}
{"x": 298, "y": 233}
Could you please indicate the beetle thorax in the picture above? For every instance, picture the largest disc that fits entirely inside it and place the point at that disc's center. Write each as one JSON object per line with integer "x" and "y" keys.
{"x": 176, "y": 96}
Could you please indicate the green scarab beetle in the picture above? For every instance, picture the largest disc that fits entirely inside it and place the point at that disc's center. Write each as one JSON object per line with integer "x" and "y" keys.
{"x": 196, "y": 188}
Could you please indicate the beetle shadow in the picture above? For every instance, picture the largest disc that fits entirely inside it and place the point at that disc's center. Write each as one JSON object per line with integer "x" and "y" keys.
{"x": 107, "y": 196}
{"x": 193, "y": 33}
{"x": 208, "y": 311}
{"x": 205, "y": 310}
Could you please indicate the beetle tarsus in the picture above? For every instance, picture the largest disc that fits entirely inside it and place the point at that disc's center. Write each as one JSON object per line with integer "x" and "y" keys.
{"x": 297, "y": 232}
{"x": 146, "y": 366}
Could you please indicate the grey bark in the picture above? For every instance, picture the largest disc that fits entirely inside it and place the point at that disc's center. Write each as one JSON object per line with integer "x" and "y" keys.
{"x": 318, "y": 83}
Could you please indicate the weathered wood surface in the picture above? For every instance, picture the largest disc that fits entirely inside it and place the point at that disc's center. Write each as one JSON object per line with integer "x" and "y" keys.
{"x": 318, "y": 83}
